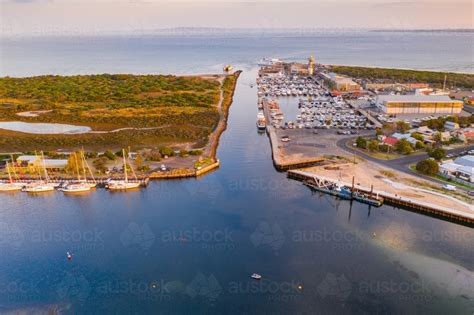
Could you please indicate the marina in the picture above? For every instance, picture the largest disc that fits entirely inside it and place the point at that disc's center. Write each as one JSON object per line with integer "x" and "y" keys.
{"x": 261, "y": 210}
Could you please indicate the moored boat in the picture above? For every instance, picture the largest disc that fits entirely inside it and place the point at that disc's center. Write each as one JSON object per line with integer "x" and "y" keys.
{"x": 123, "y": 185}
{"x": 39, "y": 187}
{"x": 10, "y": 185}
{"x": 76, "y": 188}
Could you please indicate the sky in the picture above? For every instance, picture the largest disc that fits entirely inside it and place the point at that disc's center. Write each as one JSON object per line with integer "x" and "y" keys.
{"x": 89, "y": 17}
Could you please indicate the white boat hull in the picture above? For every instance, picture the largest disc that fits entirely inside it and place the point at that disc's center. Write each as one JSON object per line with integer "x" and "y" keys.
{"x": 74, "y": 189}
{"x": 10, "y": 187}
{"x": 39, "y": 188}
{"x": 122, "y": 186}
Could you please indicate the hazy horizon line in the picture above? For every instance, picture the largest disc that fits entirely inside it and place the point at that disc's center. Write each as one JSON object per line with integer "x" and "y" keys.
{"x": 189, "y": 30}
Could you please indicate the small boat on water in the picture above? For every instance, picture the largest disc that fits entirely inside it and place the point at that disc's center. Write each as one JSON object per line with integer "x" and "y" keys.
{"x": 334, "y": 189}
{"x": 261, "y": 121}
{"x": 120, "y": 185}
{"x": 42, "y": 185}
{"x": 368, "y": 199}
{"x": 123, "y": 185}
{"x": 39, "y": 187}
{"x": 256, "y": 276}
{"x": 10, "y": 185}
{"x": 345, "y": 193}
{"x": 5, "y": 187}
{"x": 81, "y": 185}
{"x": 76, "y": 188}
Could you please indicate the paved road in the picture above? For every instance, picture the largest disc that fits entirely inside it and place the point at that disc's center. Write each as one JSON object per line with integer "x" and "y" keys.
{"x": 401, "y": 164}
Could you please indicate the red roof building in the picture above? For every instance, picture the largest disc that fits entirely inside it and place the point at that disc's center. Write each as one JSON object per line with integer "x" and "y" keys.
{"x": 391, "y": 141}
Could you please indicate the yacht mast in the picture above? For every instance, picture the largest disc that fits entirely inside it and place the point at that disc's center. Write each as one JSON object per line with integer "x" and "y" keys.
{"x": 125, "y": 165}
{"x": 44, "y": 167}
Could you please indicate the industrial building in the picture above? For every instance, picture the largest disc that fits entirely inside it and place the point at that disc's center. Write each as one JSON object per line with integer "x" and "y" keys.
{"x": 343, "y": 84}
{"x": 418, "y": 104}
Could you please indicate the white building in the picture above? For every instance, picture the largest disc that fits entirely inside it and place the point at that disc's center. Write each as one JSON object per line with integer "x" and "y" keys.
{"x": 36, "y": 161}
{"x": 418, "y": 104}
{"x": 462, "y": 168}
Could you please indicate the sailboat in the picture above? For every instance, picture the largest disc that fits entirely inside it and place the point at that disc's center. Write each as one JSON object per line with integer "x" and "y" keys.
{"x": 42, "y": 185}
{"x": 10, "y": 186}
{"x": 84, "y": 166}
{"x": 121, "y": 185}
{"x": 80, "y": 186}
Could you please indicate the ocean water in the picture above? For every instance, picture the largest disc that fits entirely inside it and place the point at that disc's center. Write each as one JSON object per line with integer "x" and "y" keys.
{"x": 190, "y": 246}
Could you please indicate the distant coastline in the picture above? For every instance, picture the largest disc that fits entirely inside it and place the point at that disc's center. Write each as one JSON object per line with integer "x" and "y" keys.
{"x": 220, "y": 31}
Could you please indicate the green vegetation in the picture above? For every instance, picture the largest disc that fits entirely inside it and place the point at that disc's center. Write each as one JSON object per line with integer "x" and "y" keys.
{"x": 175, "y": 109}
{"x": 427, "y": 167}
{"x": 361, "y": 142}
{"x": 460, "y": 80}
{"x": 437, "y": 153}
{"x": 404, "y": 147}
{"x": 438, "y": 123}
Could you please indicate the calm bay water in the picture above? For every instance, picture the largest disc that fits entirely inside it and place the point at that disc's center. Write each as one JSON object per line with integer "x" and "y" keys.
{"x": 189, "y": 246}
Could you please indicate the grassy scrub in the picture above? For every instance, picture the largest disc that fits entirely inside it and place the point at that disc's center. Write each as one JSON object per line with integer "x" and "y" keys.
{"x": 461, "y": 80}
{"x": 177, "y": 109}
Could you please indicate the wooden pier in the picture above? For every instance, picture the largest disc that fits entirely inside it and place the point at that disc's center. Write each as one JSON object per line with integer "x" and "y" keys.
{"x": 463, "y": 217}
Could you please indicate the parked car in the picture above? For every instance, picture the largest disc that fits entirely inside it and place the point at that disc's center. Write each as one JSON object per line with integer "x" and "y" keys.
{"x": 449, "y": 187}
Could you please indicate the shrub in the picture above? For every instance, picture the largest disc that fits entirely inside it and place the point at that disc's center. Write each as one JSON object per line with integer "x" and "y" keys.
{"x": 361, "y": 142}
{"x": 110, "y": 155}
{"x": 373, "y": 145}
{"x": 419, "y": 145}
{"x": 166, "y": 151}
{"x": 404, "y": 147}
{"x": 437, "y": 153}
{"x": 427, "y": 167}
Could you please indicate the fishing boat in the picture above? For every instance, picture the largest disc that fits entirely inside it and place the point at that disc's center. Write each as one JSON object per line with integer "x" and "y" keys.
{"x": 333, "y": 189}
{"x": 10, "y": 185}
{"x": 368, "y": 199}
{"x": 122, "y": 185}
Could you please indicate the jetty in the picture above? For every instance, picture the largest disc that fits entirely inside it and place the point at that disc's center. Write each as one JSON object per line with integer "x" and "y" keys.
{"x": 463, "y": 217}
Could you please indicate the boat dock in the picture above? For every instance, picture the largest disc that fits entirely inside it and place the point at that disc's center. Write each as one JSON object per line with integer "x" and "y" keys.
{"x": 463, "y": 217}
